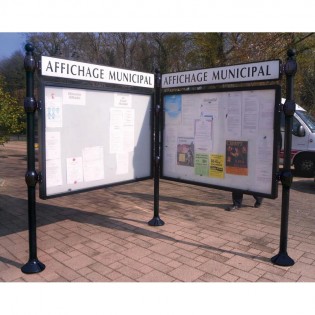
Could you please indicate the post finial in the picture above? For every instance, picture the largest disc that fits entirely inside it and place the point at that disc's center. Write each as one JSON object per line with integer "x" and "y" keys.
{"x": 29, "y": 47}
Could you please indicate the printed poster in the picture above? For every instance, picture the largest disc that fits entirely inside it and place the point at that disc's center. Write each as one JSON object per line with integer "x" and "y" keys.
{"x": 53, "y": 111}
{"x": 237, "y": 157}
{"x": 185, "y": 151}
{"x": 201, "y": 164}
{"x": 216, "y": 166}
{"x": 173, "y": 109}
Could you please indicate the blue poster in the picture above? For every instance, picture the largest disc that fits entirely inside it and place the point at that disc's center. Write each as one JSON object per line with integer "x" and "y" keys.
{"x": 173, "y": 105}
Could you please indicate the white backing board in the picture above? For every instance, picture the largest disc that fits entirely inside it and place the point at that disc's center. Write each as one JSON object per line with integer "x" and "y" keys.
{"x": 222, "y": 138}
{"x": 93, "y": 138}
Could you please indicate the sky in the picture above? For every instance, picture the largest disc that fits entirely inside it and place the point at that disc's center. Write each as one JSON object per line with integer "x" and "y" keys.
{"x": 219, "y": 16}
{"x": 10, "y": 42}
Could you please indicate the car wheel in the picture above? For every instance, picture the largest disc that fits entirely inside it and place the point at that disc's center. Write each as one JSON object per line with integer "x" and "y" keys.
{"x": 304, "y": 165}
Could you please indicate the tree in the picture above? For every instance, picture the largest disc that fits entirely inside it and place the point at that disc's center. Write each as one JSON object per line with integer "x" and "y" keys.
{"x": 12, "y": 70}
{"x": 12, "y": 116}
{"x": 173, "y": 52}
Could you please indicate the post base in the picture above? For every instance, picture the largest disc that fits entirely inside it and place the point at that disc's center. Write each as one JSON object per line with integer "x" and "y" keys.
{"x": 282, "y": 259}
{"x": 156, "y": 221}
{"x": 33, "y": 266}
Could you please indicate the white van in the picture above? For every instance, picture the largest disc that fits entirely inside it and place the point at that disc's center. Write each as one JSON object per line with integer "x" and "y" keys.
{"x": 303, "y": 142}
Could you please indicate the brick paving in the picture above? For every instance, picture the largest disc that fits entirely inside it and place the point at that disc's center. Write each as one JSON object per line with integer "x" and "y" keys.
{"x": 103, "y": 235}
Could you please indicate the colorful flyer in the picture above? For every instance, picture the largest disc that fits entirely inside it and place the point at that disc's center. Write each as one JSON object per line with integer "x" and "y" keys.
{"x": 185, "y": 151}
{"x": 216, "y": 166}
{"x": 201, "y": 164}
{"x": 237, "y": 157}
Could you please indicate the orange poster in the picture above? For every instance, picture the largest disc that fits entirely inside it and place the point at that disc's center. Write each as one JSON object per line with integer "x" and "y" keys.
{"x": 237, "y": 157}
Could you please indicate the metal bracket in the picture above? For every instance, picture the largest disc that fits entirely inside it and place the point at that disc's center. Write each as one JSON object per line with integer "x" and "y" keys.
{"x": 158, "y": 78}
{"x": 289, "y": 107}
{"x": 30, "y": 105}
{"x": 31, "y": 178}
{"x": 280, "y": 106}
{"x": 278, "y": 176}
{"x": 286, "y": 178}
{"x": 39, "y": 105}
{"x": 282, "y": 68}
{"x": 40, "y": 177}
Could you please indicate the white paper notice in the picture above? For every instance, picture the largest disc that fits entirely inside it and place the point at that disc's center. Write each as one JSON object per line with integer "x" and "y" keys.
{"x": 189, "y": 112}
{"x": 122, "y": 160}
{"x": 74, "y": 170}
{"x": 233, "y": 117}
{"x": 170, "y": 149}
{"x": 264, "y": 161}
{"x": 209, "y": 107}
{"x": 116, "y": 131}
{"x": 250, "y": 116}
{"x": 53, "y": 173}
{"x": 129, "y": 129}
{"x": 121, "y": 130}
{"x": 53, "y": 111}
{"x": 53, "y": 146}
{"x": 203, "y": 135}
{"x": 122, "y": 100}
{"x": 74, "y": 97}
{"x": 93, "y": 163}
{"x": 267, "y": 115}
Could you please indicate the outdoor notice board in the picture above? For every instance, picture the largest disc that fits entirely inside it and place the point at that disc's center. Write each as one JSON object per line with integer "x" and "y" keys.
{"x": 223, "y": 138}
{"x": 93, "y": 138}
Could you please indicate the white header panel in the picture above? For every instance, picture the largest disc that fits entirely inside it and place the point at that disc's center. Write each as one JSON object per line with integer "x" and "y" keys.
{"x": 258, "y": 71}
{"x": 62, "y": 68}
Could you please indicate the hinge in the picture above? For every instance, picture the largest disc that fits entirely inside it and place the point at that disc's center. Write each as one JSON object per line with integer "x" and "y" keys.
{"x": 39, "y": 177}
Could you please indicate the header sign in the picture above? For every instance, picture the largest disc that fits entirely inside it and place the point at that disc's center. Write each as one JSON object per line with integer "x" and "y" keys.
{"x": 69, "y": 69}
{"x": 258, "y": 71}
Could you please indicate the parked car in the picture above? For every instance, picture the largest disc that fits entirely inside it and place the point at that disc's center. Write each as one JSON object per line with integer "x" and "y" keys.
{"x": 303, "y": 142}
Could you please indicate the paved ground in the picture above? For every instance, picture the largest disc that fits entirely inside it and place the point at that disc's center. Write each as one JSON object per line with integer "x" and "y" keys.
{"x": 103, "y": 235}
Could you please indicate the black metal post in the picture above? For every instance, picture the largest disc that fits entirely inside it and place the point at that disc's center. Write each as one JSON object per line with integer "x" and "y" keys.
{"x": 156, "y": 221}
{"x": 31, "y": 177}
{"x": 290, "y": 68}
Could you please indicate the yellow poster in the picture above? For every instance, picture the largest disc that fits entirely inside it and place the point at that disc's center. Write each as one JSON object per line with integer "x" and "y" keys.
{"x": 216, "y": 165}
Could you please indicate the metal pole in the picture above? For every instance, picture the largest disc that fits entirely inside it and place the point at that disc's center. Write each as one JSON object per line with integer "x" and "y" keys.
{"x": 33, "y": 265}
{"x": 156, "y": 221}
{"x": 282, "y": 258}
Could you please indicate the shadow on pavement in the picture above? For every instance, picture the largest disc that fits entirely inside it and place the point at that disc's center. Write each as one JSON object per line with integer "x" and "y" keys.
{"x": 306, "y": 185}
{"x": 13, "y": 219}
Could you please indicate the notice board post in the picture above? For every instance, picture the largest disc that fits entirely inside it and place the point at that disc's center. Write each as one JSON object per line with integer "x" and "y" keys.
{"x": 31, "y": 177}
{"x": 290, "y": 68}
{"x": 156, "y": 221}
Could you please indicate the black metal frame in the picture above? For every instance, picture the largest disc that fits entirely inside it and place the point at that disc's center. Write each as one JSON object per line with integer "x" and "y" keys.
{"x": 157, "y": 122}
{"x": 31, "y": 177}
{"x": 274, "y": 188}
{"x": 156, "y": 220}
{"x": 42, "y": 142}
{"x": 286, "y": 177}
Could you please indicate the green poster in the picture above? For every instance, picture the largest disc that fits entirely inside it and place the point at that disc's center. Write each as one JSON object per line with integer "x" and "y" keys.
{"x": 201, "y": 164}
